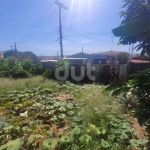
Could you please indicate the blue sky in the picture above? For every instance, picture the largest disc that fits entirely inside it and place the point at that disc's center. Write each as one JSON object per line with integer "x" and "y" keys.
{"x": 34, "y": 26}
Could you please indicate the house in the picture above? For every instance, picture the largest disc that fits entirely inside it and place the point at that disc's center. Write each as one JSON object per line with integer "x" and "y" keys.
{"x": 96, "y": 57}
{"x": 139, "y": 58}
{"x": 104, "y": 57}
{"x": 1, "y": 54}
{"x": 81, "y": 55}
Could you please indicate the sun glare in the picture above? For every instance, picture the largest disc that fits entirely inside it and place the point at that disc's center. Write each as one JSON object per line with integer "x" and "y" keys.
{"x": 80, "y": 7}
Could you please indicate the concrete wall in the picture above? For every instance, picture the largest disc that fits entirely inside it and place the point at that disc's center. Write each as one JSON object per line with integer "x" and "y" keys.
{"x": 49, "y": 65}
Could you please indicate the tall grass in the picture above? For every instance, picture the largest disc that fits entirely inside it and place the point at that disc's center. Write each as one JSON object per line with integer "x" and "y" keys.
{"x": 7, "y": 84}
{"x": 98, "y": 103}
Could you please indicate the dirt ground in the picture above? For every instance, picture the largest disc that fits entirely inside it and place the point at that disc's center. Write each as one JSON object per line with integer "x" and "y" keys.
{"x": 141, "y": 130}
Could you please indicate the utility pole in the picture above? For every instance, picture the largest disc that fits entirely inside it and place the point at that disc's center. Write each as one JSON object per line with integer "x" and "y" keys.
{"x": 60, "y": 27}
{"x": 82, "y": 55}
{"x": 15, "y": 46}
{"x": 11, "y": 50}
{"x": 132, "y": 51}
{"x": 57, "y": 55}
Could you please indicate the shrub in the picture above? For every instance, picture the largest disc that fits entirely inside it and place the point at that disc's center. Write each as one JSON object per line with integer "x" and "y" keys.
{"x": 20, "y": 74}
{"x": 48, "y": 74}
{"x": 32, "y": 67}
{"x": 11, "y": 67}
{"x": 122, "y": 57}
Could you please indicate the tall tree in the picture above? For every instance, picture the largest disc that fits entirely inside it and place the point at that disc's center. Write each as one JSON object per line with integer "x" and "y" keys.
{"x": 21, "y": 55}
{"x": 135, "y": 24}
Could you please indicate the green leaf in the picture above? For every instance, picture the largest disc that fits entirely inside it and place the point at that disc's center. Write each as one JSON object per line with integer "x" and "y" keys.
{"x": 62, "y": 116}
{"x": 142, "y": 141}
{"x": 33, "y": 138}
{"x": 76, "y": 131}
{"x": 62, "y": 109}
{"x": 103, "y": 131}
{"x": 13, "y": 145}
{"x": 134, "y": 143}
{"x": 8, "y": 129}
{"x": 85, "y": 139}
{"x": 49, "y": 144}
{"x": 104, "y": 143}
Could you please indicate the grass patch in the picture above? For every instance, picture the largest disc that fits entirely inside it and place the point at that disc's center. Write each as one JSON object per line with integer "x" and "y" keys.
{"x": 8, "y": 84}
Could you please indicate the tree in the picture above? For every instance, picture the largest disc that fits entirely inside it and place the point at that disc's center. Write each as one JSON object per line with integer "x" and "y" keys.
{"x": 136, "y": 17}
{"x": 122, "y": 57}
{"x": 21, "y": 55}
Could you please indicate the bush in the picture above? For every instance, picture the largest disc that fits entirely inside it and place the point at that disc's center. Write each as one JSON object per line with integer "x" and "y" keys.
{"x": 20, "y": 74}
{"x": 48, "y": 74}
{"x": 122, "y": 57}
{"x": 136, "y": 95}
{"x": 32, "y": 67}
{"x": 13, "y": 68}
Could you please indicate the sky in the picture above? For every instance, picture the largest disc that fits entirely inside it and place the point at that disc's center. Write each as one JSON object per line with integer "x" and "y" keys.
{"x": 34, "y": 26}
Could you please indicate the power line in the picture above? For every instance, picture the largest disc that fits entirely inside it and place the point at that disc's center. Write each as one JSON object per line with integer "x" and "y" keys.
{"x": 35, "y": 32}
{"x": 47, "y": 44}
{"x": 83, "y": 35}
{"x": 37, "y": 22}
{"x": 40, "y": 35}
{"x": 39, "y": 42}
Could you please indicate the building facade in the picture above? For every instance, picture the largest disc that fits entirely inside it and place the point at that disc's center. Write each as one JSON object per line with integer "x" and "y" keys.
{"x": 1, "y": 54}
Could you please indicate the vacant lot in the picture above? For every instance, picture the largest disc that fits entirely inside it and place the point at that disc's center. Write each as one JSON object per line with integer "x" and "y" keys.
{"x": 46, "y": 114}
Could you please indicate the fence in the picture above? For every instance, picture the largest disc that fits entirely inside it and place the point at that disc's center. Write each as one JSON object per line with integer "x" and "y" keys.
{"x": 106, "y": 73}
{"x": 135, "y": 67}
{"x": 110, "y": 74}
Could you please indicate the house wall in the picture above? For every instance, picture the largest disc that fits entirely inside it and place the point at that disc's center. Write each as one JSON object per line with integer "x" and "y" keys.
{"x": 1, "y": 55}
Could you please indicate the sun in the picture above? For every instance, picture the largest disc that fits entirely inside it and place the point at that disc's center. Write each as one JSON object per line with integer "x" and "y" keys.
{"x": 79, "y": 5}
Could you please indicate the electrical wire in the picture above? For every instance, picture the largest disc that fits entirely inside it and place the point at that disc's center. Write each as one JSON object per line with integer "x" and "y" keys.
{"x": 46, "y": 44}
{"x": 40, "y": 35}
{"x": 37, "y": 21}
{"x": 35, "y": 32}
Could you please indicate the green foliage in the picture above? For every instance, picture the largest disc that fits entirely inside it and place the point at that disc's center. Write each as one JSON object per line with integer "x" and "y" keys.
{"x": 38, "y": 120}
{"x": 34, "y": 68}
{"x": 13, "y": 145}
{"x": 21, "y": 55}
{"x": 140, "y": 87}
{"x": 13, "y": 68}
{"x": 49, "y": 74}
{"x": 49, "y": 144}
{"x": 132, "y": 10}
{"x": 64, "y": 64}
{"x": 33, "y": 138}
{"x": 136, "y": 95}
{"x": 122, "y": 57}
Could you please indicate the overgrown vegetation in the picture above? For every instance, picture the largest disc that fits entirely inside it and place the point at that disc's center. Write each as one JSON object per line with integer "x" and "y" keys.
{"x": 136, "y": 95}
{"x": 122, "y": 57}
{"x": 62, "y": 116}
{"x": 13, "y": 68}
{"x": 21, "y": 55}
{"x": 132, "y": 10}
{"x": 63, "y": 64}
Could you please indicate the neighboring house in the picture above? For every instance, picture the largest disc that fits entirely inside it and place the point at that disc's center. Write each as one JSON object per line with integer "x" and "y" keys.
{"x": 139, "y": 58}
{"x": 104, "y": 57}
{"x": 96, "y": 57}
{"x": 81, "y": 55}
{"x": 1, "y": 55}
